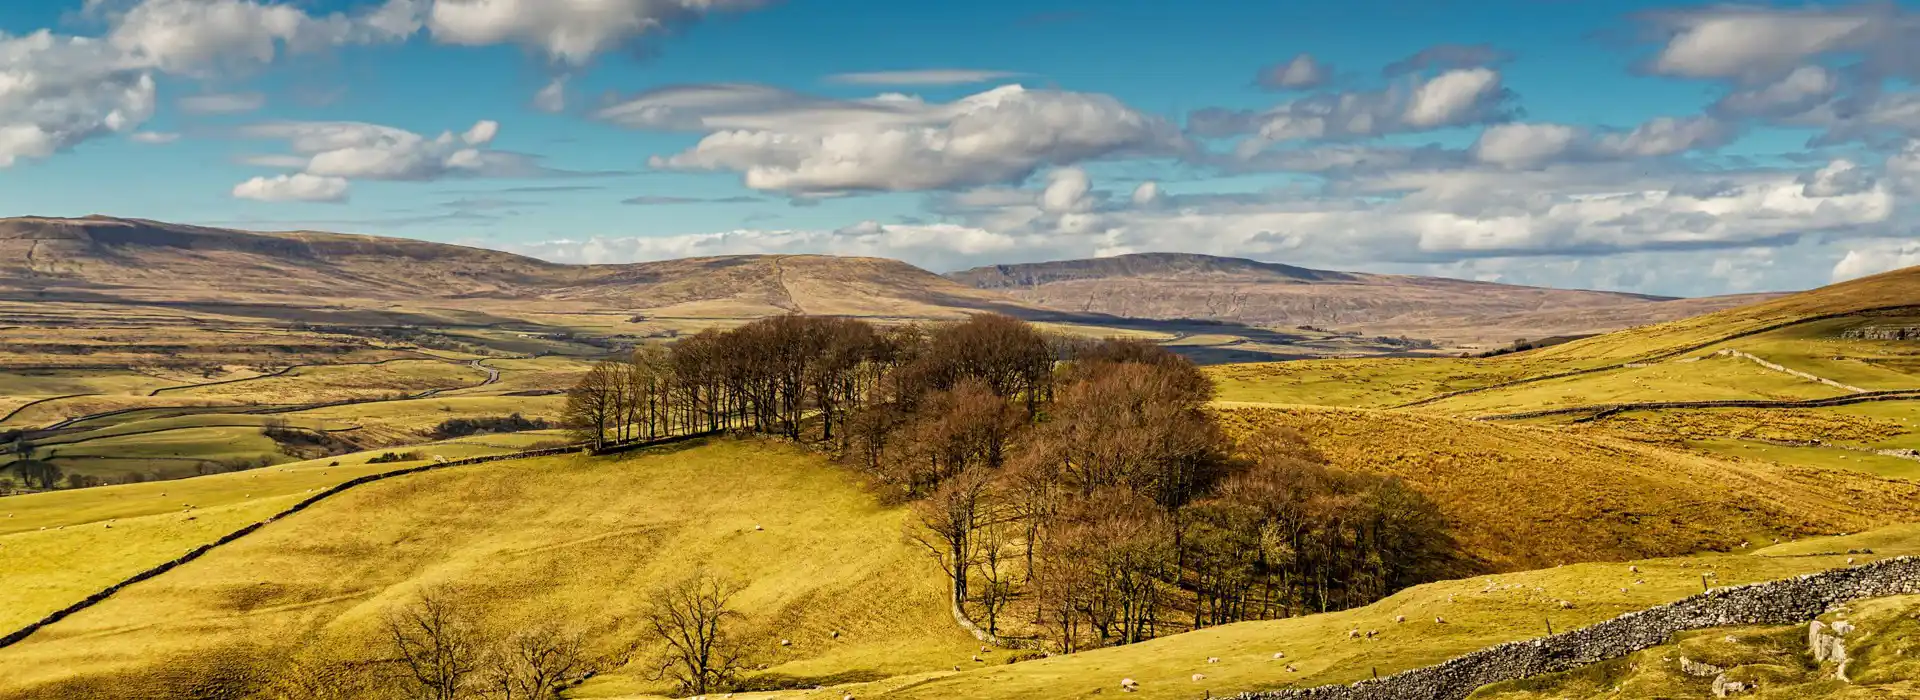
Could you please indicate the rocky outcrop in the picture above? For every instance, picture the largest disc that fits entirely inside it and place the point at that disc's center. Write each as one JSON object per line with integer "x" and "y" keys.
{"x": 1882, "y": 333}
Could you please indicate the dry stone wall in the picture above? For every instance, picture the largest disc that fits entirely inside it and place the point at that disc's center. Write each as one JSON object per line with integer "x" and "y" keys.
{"x": 1787, "y": 601}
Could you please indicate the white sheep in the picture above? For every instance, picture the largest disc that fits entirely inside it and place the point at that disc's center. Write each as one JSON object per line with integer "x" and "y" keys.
{"x": 1199, "y": 677}
{"x": 1129, "y": 684}
{"x": 1279, "y": 655}
{"x": 1213, "y": 659}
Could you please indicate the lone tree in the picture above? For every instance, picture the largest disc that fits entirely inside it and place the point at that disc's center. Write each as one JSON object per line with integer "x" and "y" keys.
{"x": 437, "y": 645}
{"x": 693, "y": 617}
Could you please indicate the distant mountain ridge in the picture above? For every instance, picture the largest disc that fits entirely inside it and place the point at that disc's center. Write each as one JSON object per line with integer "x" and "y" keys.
{"x": 1191, "y": 286}
{"x": 1140, "y": 265}
{"x": 137, "y": 260}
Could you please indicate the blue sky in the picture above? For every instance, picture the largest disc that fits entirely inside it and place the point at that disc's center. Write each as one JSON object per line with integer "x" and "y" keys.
{"x": 1654, "y": 147}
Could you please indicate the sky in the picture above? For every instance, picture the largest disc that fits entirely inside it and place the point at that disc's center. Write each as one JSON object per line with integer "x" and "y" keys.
{"x": 1654, "y": 147}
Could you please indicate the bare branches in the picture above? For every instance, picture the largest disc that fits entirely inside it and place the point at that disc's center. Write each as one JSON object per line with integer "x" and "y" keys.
{"x": 694, "y": 617}
{"x": 437, "y": 645}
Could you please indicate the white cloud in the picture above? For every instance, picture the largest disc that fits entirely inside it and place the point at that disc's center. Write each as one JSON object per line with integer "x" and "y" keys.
{"x": 293, "y": 188}
{"x": 571, "y": 32}
{"x": 552, "y": 98}
{"x": 1301, "y": 73}
{"x": 1453, "y": 98}
{"x": 222, "y": 103}
{"x": 1793, "y": 93}
{"x": 1665, "y": 136}
{"x": 782, "y": 141}
{"x": 154, "y": 137}
{"x": 58, "y": 91}
{"x": 196, "y": 36}
{"x": 1523, "y": 144}
{"x": 931, "y": 76}
{"x": 1147, "y": 194}
{"x": 1839, "y": 178}
{"x": 1066, "y": 192}
{"x": 1877, "y": 258}
{"x": 1755, "y": 43}
{"x": 373, "y": 152}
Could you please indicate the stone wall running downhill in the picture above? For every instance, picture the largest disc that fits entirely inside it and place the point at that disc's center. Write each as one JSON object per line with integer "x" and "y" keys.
{"x": 1787, "y": 601}
{"x": 21, "y": 634}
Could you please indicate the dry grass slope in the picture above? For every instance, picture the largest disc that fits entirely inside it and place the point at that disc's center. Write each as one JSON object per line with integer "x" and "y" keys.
{"x": 570, "y": 537}
{"x": 1519, "y": 497}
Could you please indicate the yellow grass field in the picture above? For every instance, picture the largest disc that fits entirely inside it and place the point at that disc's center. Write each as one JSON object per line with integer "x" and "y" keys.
{"x": 1519, "y": 497}
{"x": 577, "y": 538}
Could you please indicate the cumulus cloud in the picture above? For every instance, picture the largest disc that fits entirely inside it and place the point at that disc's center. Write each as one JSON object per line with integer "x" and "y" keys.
{"x": 58, "y": 91}
{"x": 196, "y": 36}
{"x": 373, "y": 152}
{"x": 552, "y": 98}
{"x": 931, "y": 76}
{"x": 299, "y": 187}
{"x": 1447, "y": 56}
{"x": 783, "y": 141}
{"x": 1301, "y": 73}
{"x": 570, "y": 32}
{"x": 1067, "y": 192}
{"x": 1794, "y": 93}
{"x": 1754, "y": 44}
{"x": 1839, "y": 178}
{"x": 222, "y": 103}
{"x": 1147, "y": 194}
{"x": 1876, "y": 258}
{"x": 1523, "y": 145}
{"x": 1449, "y": 99}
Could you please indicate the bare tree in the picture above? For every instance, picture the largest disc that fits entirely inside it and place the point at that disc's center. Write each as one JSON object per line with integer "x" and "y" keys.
{"x": 437, "y": 646}
{"x": 536, "y": 664}
{"x": 694, "y": 617}
{"x": 947, "y": 521}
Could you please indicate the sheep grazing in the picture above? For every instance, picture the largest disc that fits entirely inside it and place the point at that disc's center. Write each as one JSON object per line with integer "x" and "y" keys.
{"x": 757, "y": 528}
{"x": 1279, "y": 655}
{"x": 836, "y": 634}
{"x": 1634, "y": 569}
{"x": 848, "y": 696}
{"x": 1199, "y": 677}
{"x": 786, "y": 642}
{"x": 1439, "y": 620}
{"x": 1399, "y": 618}
{"x": 1213, "y": 659}
{"x": 1129, "y": 684}
{"x": 978, "y": 660}
{"x": 1291, "y": 669}
{"x": 1353, "y": 634}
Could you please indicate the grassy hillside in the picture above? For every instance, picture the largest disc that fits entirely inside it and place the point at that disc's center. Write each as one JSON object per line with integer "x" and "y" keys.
{"x": 571, "y": 538}
{"x": 1589, "y": 497}
{"x": 1792, "y": 331}
{"x": 1478, "y": 612}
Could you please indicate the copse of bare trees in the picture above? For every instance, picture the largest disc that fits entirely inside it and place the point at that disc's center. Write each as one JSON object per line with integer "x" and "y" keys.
{"x": 1084, "y": 484}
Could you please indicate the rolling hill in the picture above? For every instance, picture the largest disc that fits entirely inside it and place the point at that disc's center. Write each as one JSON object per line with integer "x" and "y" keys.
{"x": 1179, "y": 285}
{"x": 131, "y": 260}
